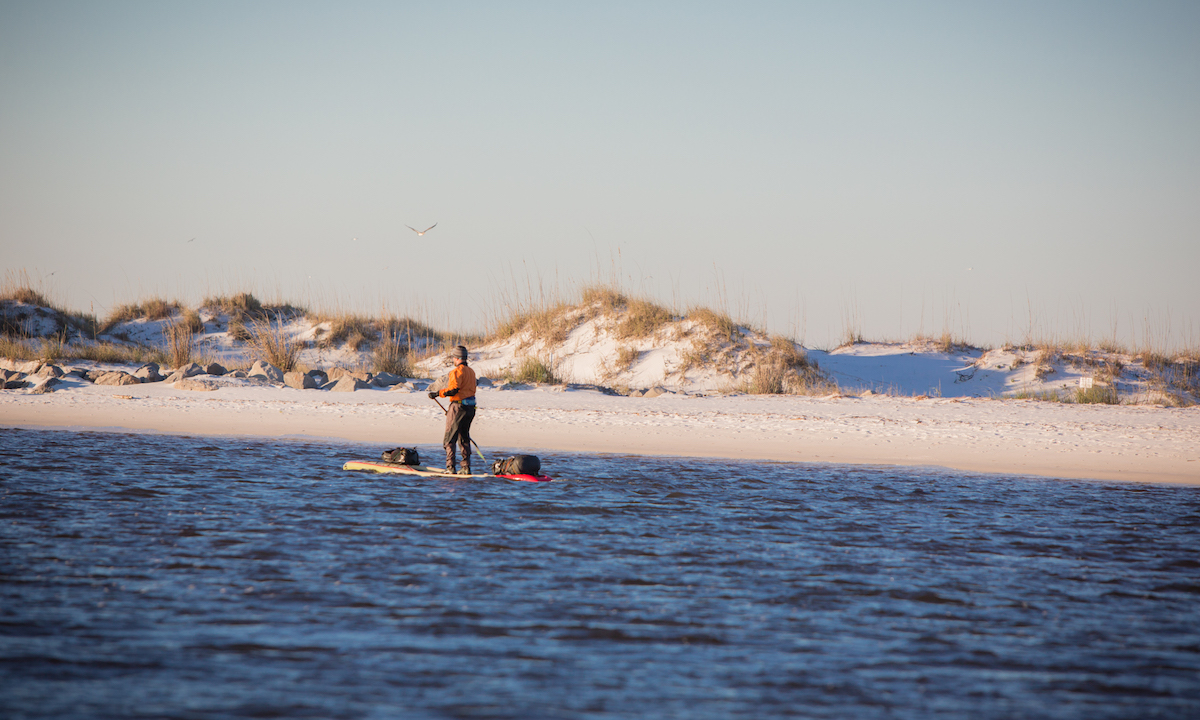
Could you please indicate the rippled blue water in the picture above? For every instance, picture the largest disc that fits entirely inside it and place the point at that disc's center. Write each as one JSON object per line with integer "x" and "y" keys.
{"x": 153, "y": 576}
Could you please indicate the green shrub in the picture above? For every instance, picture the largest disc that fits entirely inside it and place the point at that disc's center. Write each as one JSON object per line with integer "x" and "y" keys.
{"x": 1103, "y": 394}
{"x": 532, "y": 370}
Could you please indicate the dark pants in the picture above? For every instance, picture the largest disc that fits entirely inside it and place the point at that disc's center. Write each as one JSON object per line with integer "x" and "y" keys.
{"x": 458, "y": 430}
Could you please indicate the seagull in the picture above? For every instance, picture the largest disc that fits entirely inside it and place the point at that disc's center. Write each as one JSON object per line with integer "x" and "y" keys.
{"x": 421, "y": 232}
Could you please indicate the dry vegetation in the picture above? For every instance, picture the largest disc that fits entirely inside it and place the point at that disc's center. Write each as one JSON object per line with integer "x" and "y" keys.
{"x": 531, "y": 370}
{"x": 716, "y": 341}
{"x": 274, "y": 345}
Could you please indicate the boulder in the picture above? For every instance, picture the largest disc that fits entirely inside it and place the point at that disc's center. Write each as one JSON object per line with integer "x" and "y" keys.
{"x": 49, "y": 371}
{"x": 14, "y": 381}
{"x": 483, "y": 382}
{"x": 239, "y": 374}
{"x": 320, "y": 377}
{"x": 46, "y": 386}
{"x": 202, "y": 384}
{"x": 348, "y": 383}
{"x": 337, "y": 373}
{"x": 116, "y": 377}
{"x": 185, "y": 371}
{"x": 655, "y": 392}
{"x": 28, "y": 367}
{"x": 215, "y": 369}
{"x": 267, "y": 370}
{"x": 148, "y": 373}
{"x": 299, "y": 380}
{"x": 386, "y": 379}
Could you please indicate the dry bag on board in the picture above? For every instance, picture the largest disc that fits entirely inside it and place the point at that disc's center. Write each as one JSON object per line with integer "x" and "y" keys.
{"x": 402, "y": 456}
{"x": 518, "y": 465}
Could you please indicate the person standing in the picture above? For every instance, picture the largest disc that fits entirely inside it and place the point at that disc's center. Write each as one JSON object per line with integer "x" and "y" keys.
{"x": 460, "y": 388}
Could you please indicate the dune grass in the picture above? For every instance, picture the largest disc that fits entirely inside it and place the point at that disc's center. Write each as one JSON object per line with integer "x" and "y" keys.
{"x": 531, "y": 370}
{"x": 391, "y": 356}
{"x": 271, "y": 342}
{"x": 180, "y": 340}
{"x": 718, "y": 341}
{"x": 782, "y": 368}
{"x": 720, "y": 324}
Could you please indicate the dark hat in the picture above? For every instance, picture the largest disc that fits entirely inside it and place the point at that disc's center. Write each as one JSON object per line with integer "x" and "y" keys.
{"x": 459, "y": 353}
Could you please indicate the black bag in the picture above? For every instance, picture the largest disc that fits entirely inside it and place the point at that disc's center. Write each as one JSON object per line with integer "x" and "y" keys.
{"x": 402, "y": 456}
{"x": 518, "y": 465}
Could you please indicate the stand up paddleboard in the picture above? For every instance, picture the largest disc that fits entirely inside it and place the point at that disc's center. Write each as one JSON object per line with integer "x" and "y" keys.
{"x": 426, "y": 471}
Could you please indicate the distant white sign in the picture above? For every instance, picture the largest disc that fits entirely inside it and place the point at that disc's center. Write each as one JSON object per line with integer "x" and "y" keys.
{"x": 1085, "y": 382}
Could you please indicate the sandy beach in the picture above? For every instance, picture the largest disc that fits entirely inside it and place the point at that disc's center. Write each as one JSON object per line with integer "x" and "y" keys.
{"x": 1007, "y": 437}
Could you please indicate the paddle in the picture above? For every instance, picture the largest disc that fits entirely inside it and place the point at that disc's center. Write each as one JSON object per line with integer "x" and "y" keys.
{"x": 447, "y": 412}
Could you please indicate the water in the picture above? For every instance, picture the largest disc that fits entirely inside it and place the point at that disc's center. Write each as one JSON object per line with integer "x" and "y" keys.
{"x": 154, "y": 576}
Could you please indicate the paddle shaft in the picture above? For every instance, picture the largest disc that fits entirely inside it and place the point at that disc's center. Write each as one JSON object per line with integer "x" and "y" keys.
{"x": 447, "y": 412}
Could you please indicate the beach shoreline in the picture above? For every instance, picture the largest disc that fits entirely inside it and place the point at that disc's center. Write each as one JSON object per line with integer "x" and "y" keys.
{"x": 1003, "y": 437}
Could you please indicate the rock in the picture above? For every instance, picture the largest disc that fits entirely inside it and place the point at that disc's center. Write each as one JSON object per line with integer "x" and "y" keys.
{"x": 386, "y": 379}
{"x": 636, "y": 393}
{"x": 215, "y": 369}
{"x": 49, "y": 371}
{"x": 201, "y": 384}
{"x": 186, "y": 371}
{"x": 348, "y": 383}
{"x": 299, "y": 380}
{"x": 268, "y": 371}
{"x": 483, "y": 382}
{"x": 337, "y": 373}
{"x": 116, "y": 377}
{"x": 46, "y": 386}
{"x": 148, "y": 373}
{"x": 28, "y": 367}
{"x": 16, "y": 382}
{"x": 654, "y": 392}
{"x": 239, "y": 374}
{"x": 320, "y": 377}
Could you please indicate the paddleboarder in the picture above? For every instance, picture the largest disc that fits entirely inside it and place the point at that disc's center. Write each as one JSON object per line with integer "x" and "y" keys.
{"x": 460, "y": 389}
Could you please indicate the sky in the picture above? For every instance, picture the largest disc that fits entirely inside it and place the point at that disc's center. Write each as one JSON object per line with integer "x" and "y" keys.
{"x": 1000, "y": 171}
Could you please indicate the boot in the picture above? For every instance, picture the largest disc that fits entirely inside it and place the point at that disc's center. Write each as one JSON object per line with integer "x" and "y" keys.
{"x": 451, "y": 467}
{"x": 466, "y": 460}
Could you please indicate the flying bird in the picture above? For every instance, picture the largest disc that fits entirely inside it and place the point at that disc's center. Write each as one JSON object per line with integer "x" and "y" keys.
{"x": 421, "y": 232}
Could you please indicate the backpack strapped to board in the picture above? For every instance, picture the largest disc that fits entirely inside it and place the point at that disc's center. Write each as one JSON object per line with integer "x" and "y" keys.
{"x": 402, "y": 456}
{"x": 517, "y": 465}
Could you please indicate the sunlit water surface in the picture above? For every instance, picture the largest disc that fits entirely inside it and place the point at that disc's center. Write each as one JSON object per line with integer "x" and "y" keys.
{"x": 158, "y": 576}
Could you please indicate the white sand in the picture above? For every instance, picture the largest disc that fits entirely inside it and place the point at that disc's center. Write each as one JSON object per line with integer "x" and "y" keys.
{"x": 1011, "y": 437}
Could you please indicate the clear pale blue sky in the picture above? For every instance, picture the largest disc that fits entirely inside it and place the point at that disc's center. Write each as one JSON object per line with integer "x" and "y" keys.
{"x": 980, "y": 167}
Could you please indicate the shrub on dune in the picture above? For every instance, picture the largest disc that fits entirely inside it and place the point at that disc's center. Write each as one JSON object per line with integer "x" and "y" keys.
{"x": 532, "y": 370}
{"x": 273, "y": 344}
